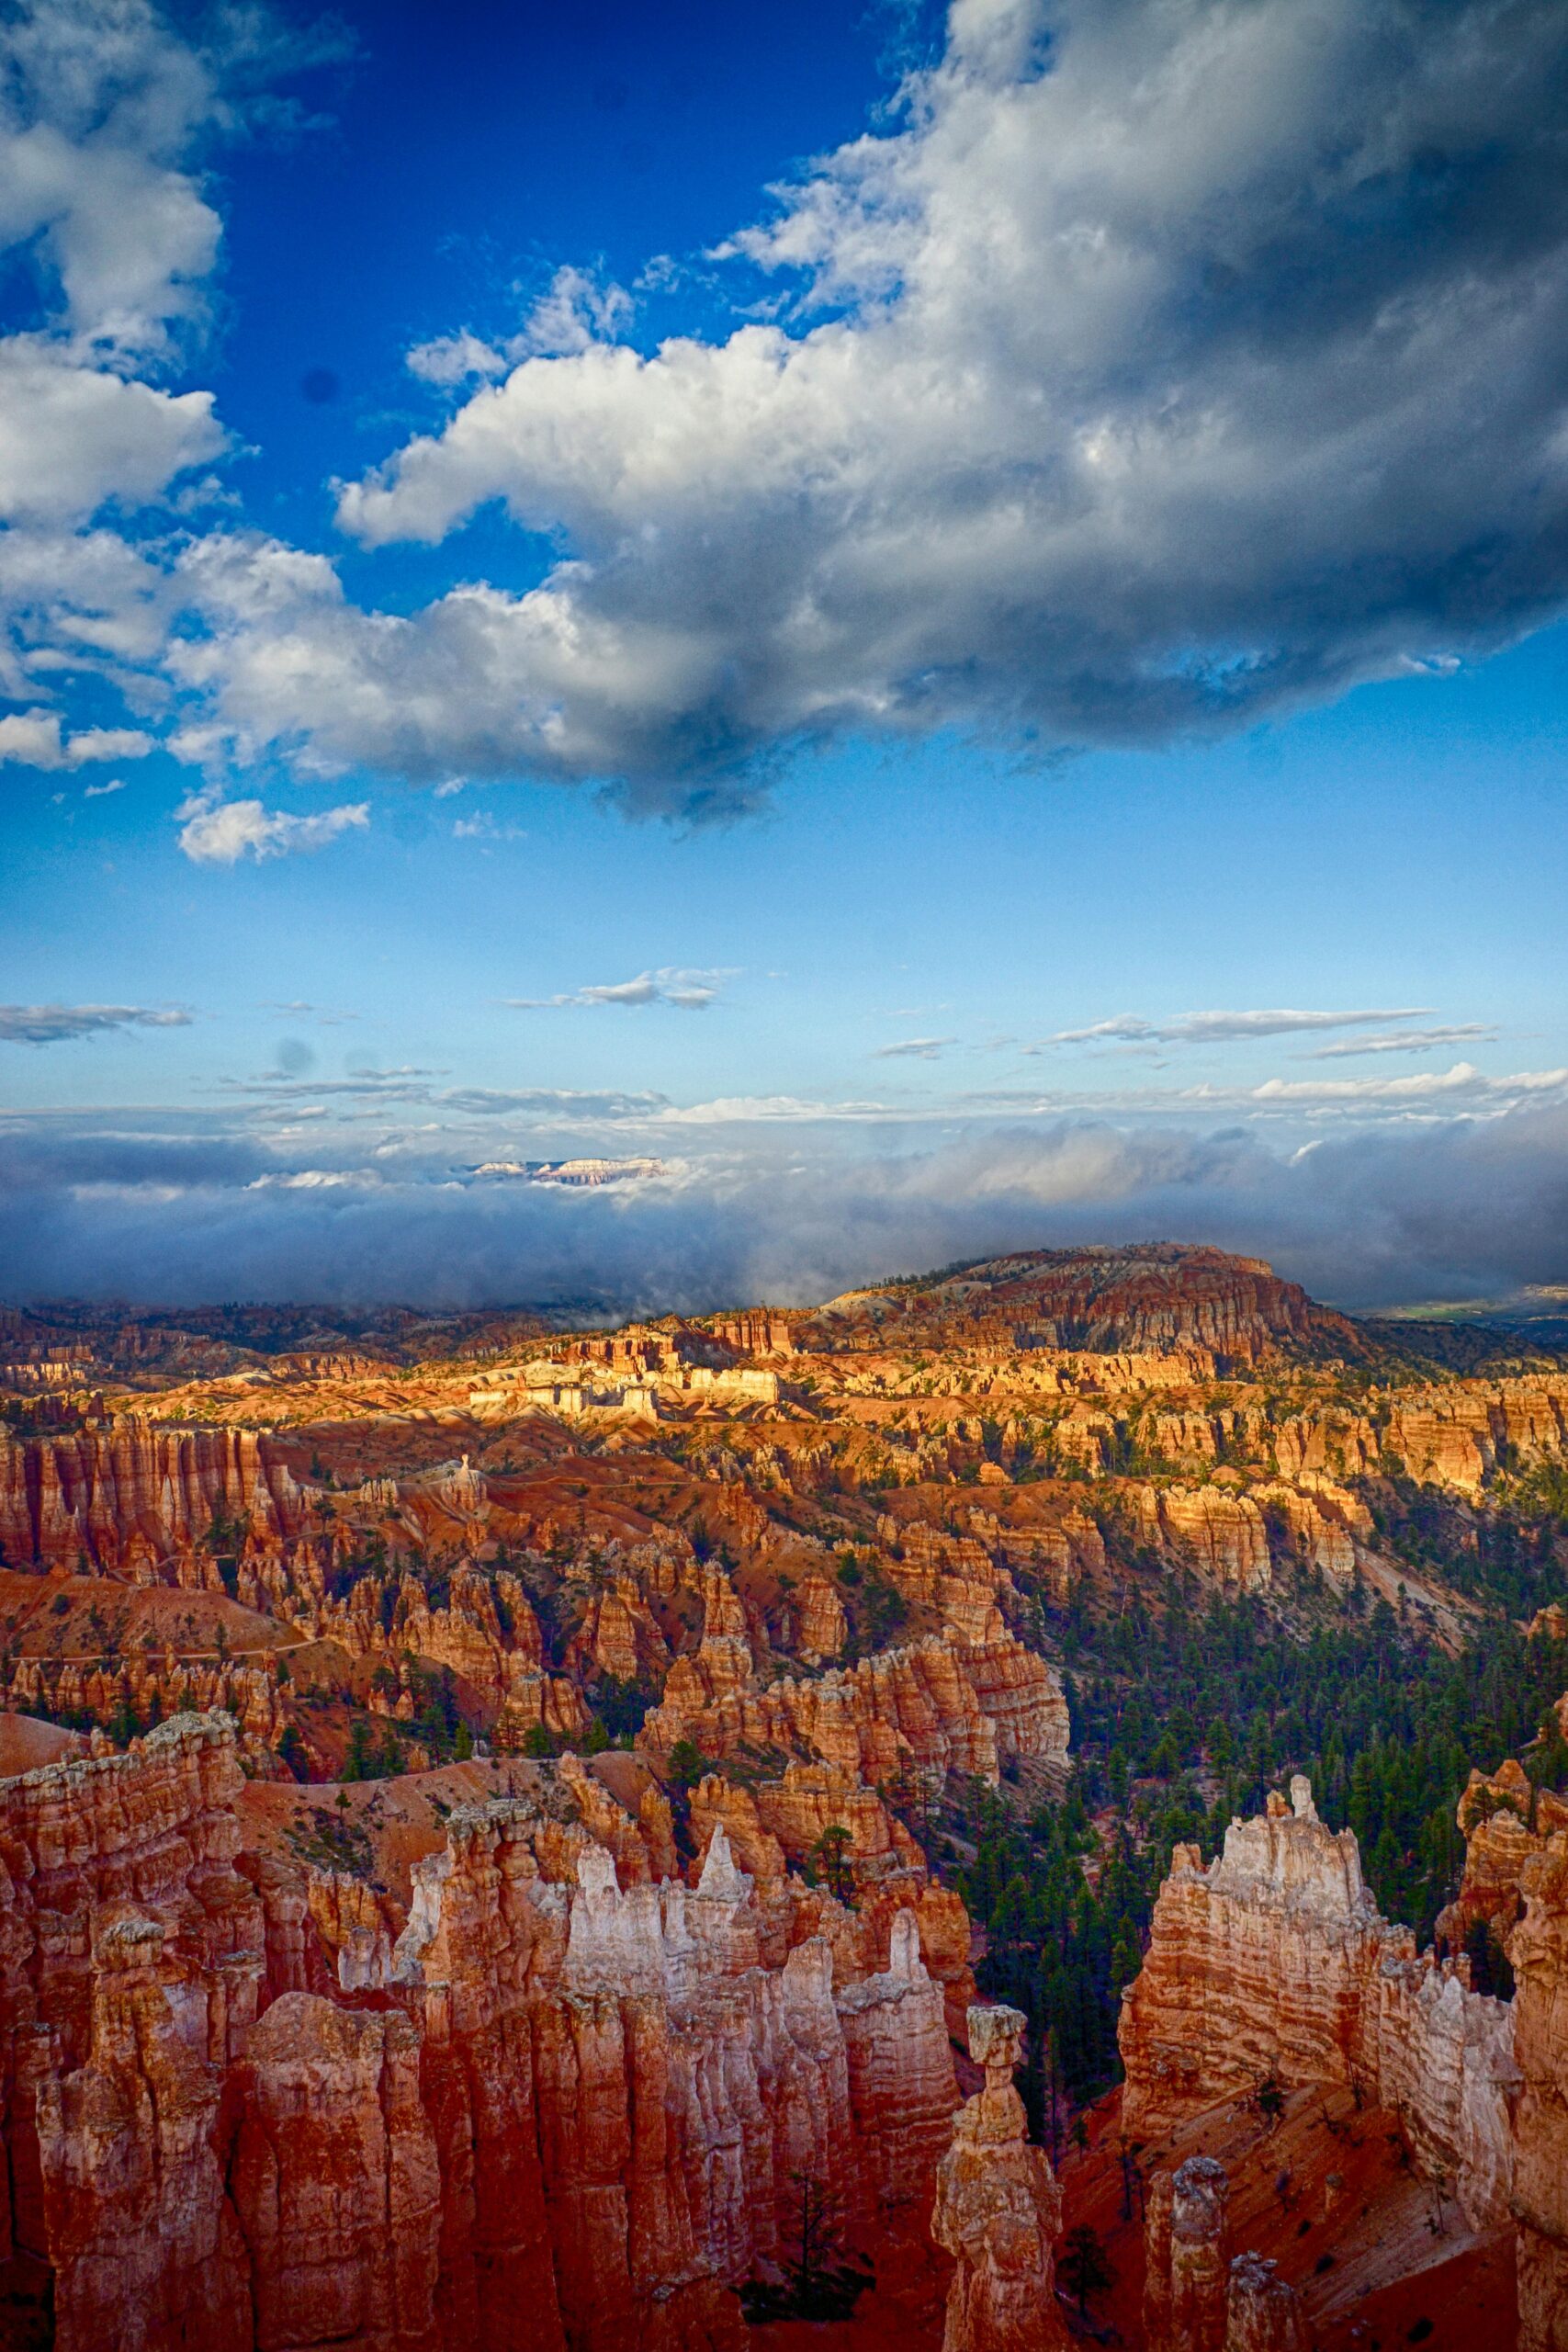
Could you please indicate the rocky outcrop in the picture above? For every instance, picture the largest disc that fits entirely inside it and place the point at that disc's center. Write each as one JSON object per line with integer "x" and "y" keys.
{"x": 1274, "y": 1965}
{"x": 1505, "y": 1819}
{"x": 1196, "y": 2298}
{"x": 335, "y": 2180}
{"x": 1151, "y": 1298}
{"x": 1221, "y": 1533}
{"x": 1538, "y": 1950}
{"x": 1263, "y": 2312}
{"x": 999, "y": 2209}
{"x": 1321, "y": 1520}
{"x": 137, "y": 2227}
{"x": 1185, "y": 2268}
{"x": 1460, "y": 1436}
{"x": 560, "y": 2111}
{"x": 932, "y": 1707}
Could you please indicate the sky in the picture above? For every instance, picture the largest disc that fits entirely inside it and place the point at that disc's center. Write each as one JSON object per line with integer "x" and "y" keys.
{"x": 949, "y": 625}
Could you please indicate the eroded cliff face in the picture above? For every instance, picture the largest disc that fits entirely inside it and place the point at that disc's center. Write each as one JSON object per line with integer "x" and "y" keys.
{"x": 932, "y": 1707}
{"x": 557, "y": 2111}
{"x": 1274, "y": 1965}
{"x": 1505, "y": 1819}
{"x": 135, "y": 1498}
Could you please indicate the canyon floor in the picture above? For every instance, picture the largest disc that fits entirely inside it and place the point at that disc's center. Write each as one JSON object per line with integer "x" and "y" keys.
{"x": 502, "y": 1828}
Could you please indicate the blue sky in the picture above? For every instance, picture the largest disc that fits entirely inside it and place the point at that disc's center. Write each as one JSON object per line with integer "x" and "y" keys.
{"x": 714, "y": 586}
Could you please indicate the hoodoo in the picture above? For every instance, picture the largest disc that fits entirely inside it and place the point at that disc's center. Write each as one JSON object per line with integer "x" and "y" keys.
{"x": 999, "y": 2209}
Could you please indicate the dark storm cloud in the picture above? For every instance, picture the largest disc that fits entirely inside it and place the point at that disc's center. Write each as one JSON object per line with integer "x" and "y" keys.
{"x": 1465, "y": 1208}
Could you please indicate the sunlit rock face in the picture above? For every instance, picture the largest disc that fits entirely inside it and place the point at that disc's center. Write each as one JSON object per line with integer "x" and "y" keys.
{"x": 1274, "y": 1965}
{"x": 127, "y": 1499}
{"x": 559, "y": 2111}
{"x": 999, "y": 2209}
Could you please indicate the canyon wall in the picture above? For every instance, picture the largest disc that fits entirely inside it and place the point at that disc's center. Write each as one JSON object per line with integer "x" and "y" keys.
{"x": 128, "y": 1498}
{"x": 933, "y": 1706}
{"x": 559, "y": 2113}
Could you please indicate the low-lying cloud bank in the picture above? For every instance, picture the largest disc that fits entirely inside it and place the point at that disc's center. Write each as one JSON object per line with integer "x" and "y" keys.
{"x": 1464, "y": 1208}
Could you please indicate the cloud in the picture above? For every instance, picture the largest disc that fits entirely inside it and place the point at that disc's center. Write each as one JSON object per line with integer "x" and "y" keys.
{"x": 1405, "y": 1041}
{"x": 1420, "y": 1086}
{"x": 1151, "y": 368}
{"x": 573, "y": 310}
{"x": 1215, "y": 1028}
{"x": 1464, "y": 1208}
{"x": 923, "y": 1049}
{"x": 455, "y": 359}
{"x": 689, "y": 992}
{"x": 482, "y": 827}
{"x": 71, "y": 437}
{"x": 108, "y": 120}
{"x": 50, "y": 1024}
{"x": 221, "y": 832}
{"x": 1420, "y": 1094}
{"x": 102, "y": 791}
{"x": 33, "y": 738}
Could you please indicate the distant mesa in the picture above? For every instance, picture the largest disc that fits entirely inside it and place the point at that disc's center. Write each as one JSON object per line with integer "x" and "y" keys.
{"x": 585, "y": 1174}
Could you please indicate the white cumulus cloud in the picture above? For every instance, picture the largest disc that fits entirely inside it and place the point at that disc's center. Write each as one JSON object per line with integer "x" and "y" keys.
{"x": 689, "y": 992}
{"x": 35, "y": 739}
{"x": 221, "y": 833}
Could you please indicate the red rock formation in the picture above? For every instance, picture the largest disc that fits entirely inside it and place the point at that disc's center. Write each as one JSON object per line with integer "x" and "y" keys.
{"x": 1262, "y": 2310}
{"x": 139, "y": 2232}
{"x": 1456, "y": 1436}
{"x": 933, "y": 1706}
{"x": 558, "y": 2114}
{"x": 998, "y": 2209}
{"x": 1274, "y": 1965}
{"x": 1222, "y": 1534}
{"x": 1154, "y": 1299}
{"x": 1196, "y": 2299}
{"x": 1538, "y": 1950}
{"x": 1322, "y": 1520}
{"x": 1505, "y": 1819}
{"x": 1186, "y": 2273}
{"x": 336, "y": 2179}
{"x": 130, "y": 1499}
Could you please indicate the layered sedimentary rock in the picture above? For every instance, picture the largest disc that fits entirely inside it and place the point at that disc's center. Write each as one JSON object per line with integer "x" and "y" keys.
{"x": 1274, "y": 1965}
{"x": 485, "y": 1629}
{"x": 932, "y": 1706}
{"x": 1223, "y": 1534}
{"x": 999, "y": 2209}
{"x": 1185, "y": 2268}
{"x": 131, "y": 1497}
{"x": 559, "y": 2113}
{"x": 1538, "y": 1950}
{"x": 1151, "y": 1298}
{"x": 1505, "y": 1819}
{"x": 1458, "y": 1436}
{"x": 1262, "y": 2311}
